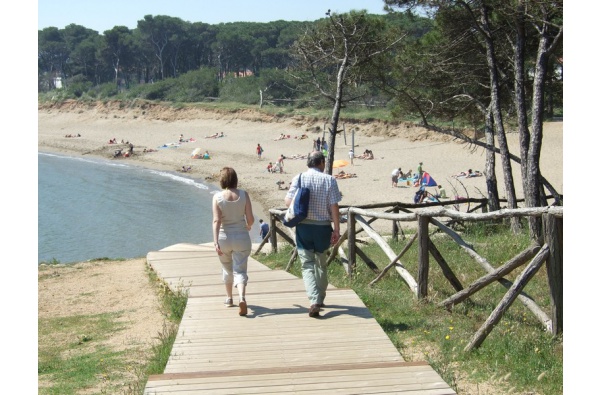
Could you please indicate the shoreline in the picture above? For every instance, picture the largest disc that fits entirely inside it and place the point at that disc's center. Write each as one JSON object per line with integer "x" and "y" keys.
{"x": 394, "y": 145}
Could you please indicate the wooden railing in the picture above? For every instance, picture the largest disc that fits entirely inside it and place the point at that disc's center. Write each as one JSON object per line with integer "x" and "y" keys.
{"x": 424, "y": 215}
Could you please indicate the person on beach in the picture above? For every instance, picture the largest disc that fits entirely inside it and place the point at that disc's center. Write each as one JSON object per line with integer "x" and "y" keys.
{"x": 259, "y": 151}
{"x": 279, "y": 164}
{"x": 420, "y": 171}
{"x": 232, "y": 221}
{"x": 264, "y": 229}
{"x": 441, "y": 192}
{"x": 314, "y": 235}
{"x": 395, "y": 175}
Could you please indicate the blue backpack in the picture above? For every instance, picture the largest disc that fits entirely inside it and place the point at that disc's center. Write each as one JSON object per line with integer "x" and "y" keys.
{"x": 298, "y": 209}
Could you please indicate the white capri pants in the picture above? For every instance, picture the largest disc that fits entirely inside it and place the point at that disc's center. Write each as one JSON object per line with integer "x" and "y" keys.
{"x": 236, "y": 249}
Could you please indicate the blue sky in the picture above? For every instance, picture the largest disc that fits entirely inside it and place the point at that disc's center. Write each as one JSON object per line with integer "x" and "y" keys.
{"x": 106, "y": 14}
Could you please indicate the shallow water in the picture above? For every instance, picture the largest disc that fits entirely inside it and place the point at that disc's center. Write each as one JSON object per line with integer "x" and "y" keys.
{"x": 94, "y": 208}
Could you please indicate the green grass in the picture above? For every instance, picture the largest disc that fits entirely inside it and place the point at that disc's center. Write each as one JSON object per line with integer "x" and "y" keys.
{"x": 518, "y": 353}
{"x": 173, "y": 304}
{"x": 72, "y": 358}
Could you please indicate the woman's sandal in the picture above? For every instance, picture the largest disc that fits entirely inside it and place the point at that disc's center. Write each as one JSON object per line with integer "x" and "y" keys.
{"x": 243, "y": 307}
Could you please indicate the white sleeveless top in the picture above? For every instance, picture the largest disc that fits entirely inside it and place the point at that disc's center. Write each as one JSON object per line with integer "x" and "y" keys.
{"x": 233, "y": 212}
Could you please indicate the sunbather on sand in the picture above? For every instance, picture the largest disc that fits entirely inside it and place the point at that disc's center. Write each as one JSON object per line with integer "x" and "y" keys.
{"x": 368, "y": 154}
{"x": 298, "y": 156}
{"x": 468, "y": 174}
{"x": 343, "y": 174}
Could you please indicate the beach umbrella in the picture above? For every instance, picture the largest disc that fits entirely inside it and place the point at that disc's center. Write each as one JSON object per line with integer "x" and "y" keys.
{"x": 427, "y": 180}
{"x": 196, "y": 153}
{"x": 340, "y": 163}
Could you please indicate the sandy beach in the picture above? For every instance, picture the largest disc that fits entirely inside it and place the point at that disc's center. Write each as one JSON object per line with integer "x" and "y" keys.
{"x": 158, "y": 129}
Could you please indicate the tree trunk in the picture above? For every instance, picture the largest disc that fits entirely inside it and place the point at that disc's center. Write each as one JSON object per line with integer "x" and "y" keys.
{"x": 490, "y": 165}
{"x": 116, "y": 68}
{"x": 519, "y": 87}
{"x": 509, "y": 184}
{"x": 532, "y": 178}
{"x": 335, "y": 116}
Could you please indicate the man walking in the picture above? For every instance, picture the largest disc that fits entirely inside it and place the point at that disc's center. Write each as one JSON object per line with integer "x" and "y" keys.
{"x": 264, "y": 229}
{"x": 314, "y": 235}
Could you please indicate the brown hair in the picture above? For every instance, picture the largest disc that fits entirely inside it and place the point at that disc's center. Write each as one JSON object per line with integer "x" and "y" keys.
{"x": 229, "y": 178}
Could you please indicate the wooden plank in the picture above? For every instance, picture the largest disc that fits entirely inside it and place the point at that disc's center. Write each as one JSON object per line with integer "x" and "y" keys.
{"x": 276, "y": 348}
{"x": 414, "y": 379}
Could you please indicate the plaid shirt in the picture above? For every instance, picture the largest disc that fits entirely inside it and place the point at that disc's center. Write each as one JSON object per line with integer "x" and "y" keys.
{"x": 324, "y": 192}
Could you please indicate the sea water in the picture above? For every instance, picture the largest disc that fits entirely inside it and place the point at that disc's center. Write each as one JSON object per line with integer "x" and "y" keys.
{"x": 93, "y": 208}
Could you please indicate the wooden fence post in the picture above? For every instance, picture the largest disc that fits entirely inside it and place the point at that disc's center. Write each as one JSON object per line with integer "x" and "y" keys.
{"x": 273, "y": 224}
{"x": 422, "y": 279}
{"x": 553, "y": 237}
{"x": 351, "y": 242}
{"x": 508, "y": 299}
{"x": 395, "y": 225}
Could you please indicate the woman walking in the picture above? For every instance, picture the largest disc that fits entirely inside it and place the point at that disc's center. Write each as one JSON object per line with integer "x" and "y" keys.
{"x": 232, "y": 220}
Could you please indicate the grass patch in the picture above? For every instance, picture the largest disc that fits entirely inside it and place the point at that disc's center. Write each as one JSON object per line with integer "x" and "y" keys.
{"x": 74, "y": 356}
{"x": 173, "y": 305}
{"x": 518, "y": 355}
{"x": 71, "y": 356}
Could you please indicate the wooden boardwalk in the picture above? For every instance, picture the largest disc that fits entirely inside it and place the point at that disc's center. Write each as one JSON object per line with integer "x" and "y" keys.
{"x": 276, "y": 348}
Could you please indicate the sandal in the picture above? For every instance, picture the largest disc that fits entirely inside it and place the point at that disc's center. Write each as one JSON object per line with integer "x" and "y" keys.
{"x": 243, "y": 307}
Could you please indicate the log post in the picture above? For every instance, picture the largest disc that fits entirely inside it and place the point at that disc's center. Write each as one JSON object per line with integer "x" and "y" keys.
{"x": 292, "y": 259}
{"x": 519, "y": 260}
{"x": 286, "y": 237}
{"x": 367, "y": 260}
{"x": 422, "y": 279}
{"x": 273, "y": 225}
{"x": 264, "y": 241}
{"x": 448, "y": 273}
{"x": 395, "y": 225}
{"x": 553, "y": 237}
{"x": 508, "y": 299}
{"x": 351, "y": 242}
{"x": 394, "y": 261}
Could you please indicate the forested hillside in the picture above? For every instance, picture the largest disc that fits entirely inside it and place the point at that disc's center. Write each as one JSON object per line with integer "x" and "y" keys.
{"x": 163, "y": 47}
